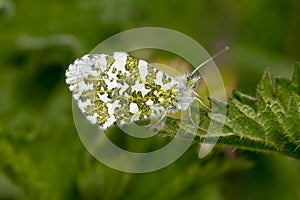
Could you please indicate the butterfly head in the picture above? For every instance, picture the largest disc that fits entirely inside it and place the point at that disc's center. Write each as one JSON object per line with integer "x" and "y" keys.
{"x": 192, "y": 81}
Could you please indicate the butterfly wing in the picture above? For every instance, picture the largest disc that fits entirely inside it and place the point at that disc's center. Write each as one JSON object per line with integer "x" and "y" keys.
{"x": 119, "y": 88}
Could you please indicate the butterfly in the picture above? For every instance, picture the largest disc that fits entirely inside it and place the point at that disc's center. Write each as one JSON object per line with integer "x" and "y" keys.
{"x": 120, "y": 89}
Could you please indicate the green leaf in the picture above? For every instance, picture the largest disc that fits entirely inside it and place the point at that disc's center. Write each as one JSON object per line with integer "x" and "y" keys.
{"x": 268, "y": 122}
{"x": 272, "y": 119}
{"x": 295, "y": 84}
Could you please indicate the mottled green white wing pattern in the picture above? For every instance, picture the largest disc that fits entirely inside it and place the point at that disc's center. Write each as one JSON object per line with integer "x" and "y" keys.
{"x": 119, "y": 88}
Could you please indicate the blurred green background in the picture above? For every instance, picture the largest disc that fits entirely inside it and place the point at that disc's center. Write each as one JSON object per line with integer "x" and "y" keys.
{"x": 41, "y": 156}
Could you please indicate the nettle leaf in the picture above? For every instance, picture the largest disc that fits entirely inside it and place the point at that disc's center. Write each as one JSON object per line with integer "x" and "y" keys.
{"x": 268, "y": 122}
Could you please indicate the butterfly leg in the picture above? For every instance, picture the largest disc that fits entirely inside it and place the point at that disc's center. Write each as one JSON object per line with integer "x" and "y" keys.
{"x": 194, "y": 123}
{"x": 159, "y": 122}
{"x": 200, "y": 101}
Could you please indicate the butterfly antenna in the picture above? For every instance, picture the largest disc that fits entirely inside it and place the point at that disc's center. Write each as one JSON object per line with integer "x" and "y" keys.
{"x": 226, "y": 48}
